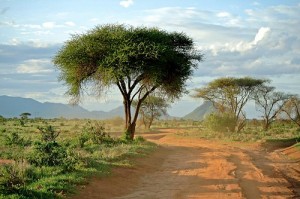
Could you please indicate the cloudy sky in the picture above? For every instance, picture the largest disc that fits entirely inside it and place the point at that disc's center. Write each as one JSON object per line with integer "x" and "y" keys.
{"x": 239, "y": 38}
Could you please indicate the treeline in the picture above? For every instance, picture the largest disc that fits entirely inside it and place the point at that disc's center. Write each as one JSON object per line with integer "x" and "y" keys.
{"x": 229, "y": 95}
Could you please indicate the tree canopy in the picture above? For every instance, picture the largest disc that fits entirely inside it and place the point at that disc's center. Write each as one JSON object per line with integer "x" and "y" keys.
{"x": 153, "y": 107}
{"x": 138, "y": 60}
{"x": 229, "y": 95}
{"x": 269, "y": 103}
{"x": 292, "y": 109}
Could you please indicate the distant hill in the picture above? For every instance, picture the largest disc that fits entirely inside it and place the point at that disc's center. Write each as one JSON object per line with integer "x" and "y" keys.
{"x": 200, "y": 112}
{"x": 14, "y": 106}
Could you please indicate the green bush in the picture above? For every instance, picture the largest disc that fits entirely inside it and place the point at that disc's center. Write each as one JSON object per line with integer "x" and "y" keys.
{"x": 15, "y": 139}
{"x": 220, "y": 122}
{"x": 13, "y": 177}
{"x": 48, "y": 133}
{"x": 48, "y": 152}
{"x": 94, "y": 132}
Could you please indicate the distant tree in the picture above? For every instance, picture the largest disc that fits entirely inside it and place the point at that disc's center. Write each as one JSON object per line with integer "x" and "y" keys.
{"x": 229, "y": 95}
{"x": 270, "y": 103}
{"x": 137, "y": 61}
{"x": 25, "y": 116}
{"x": 292, "y": 109}
{"x": 153, "y": 107}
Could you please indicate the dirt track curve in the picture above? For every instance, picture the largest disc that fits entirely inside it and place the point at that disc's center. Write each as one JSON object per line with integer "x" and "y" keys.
{"x": 197, "y": 168}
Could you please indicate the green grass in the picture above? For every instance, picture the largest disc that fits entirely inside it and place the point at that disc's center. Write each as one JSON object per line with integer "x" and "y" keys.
{"x": 251, "y": 133}
{"x": 29, "y": 177}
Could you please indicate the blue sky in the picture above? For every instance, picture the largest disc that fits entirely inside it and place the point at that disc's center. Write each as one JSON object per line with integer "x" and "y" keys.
{"x": 239, "y": 38}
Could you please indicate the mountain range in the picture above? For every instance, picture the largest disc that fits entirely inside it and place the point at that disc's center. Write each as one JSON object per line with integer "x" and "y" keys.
{"x": 13, "y": 106}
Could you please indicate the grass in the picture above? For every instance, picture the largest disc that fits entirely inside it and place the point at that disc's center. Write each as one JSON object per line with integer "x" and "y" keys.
{"x": 281, "y": 131}
{"x": 84, "y": 147}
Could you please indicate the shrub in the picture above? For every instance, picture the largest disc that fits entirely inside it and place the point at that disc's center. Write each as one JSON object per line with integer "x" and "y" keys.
{"x": 15, "y": 139}
{"x": 139, "y": 139}
{"x": 48, "y": 133}
{"x": 13, "y": 177}
{"x": 94, "y": 132}
{"x": 48, "y": 152}
{"x": 220, "y": 122}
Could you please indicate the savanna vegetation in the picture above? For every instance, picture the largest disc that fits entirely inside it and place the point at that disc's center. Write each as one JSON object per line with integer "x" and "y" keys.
{"x": 49, "y": 158}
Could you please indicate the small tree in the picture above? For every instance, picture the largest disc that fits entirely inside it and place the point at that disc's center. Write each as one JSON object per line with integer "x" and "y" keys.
{"x": 152, "y": 108}
{"x": 24, "y": 116}
{"x": 269, "y": 103}
{"x": 229, "y": 95}
{"x": 137, "y": 61}
{"x": 292, "y": 109}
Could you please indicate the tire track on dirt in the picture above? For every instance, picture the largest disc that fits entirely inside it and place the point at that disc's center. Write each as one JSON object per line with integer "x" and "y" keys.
{"x": 195, "y": 168}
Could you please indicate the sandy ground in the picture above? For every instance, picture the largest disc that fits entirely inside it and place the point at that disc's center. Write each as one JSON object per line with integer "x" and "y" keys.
{"x": 198, "y": 168}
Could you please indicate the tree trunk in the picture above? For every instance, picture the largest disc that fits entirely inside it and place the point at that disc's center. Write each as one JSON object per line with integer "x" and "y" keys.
{"x": 266, "y": 125}
{"x": 130, "y": 131}
{"x": 130, "y": 122}
{"x": 150, "y": 122}
{"x": 240, "y": 125}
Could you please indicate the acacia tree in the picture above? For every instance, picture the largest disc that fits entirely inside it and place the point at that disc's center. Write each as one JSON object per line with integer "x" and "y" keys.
{"x": 137, "y": 61}
{"x": 153, "y": 107}
{"x": 269, "y": 103}
{"x": 229, "y": 95}
{"x": 24, "y": 116}
{"x": 292, "y": 109}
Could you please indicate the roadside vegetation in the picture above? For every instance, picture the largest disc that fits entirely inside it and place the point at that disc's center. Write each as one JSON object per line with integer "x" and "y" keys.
{"x": 281, "y": 130}
{"x": 49, "y": 158}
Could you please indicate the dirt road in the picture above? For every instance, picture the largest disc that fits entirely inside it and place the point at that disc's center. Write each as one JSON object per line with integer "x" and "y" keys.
{"x": 196, "y": 168}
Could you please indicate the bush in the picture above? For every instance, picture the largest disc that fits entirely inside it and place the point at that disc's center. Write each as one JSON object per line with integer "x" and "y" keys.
{"x": 48, "y": 152}
{"x": 94, "y": 132}
{"x": 48, "y": 133}
{"x": 13, "y": 177}
{"x": 15, "y": 139}
{"x": 220, "y": 122}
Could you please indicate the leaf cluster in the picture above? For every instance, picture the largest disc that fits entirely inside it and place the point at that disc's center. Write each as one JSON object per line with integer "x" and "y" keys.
{"x": 110, "y": 53}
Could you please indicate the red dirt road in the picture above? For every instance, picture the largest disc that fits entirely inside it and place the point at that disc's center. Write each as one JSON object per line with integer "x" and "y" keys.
{"x": 197, "y": 168}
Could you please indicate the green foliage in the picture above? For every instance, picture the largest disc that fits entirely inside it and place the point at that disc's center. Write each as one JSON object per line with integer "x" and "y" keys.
{"x": 25, "y": 115}
{"x": 48, "y": 152}
{"x": 224, "y": 122}
{"x": 2, "y": 119}
{"x": 95, "y": 132}
{"x": 14, "y": 177}
{"x": 53, "y": 162}
{"x": 229, "y": 94}
{"x": 153, "y": 107}
{"x": 48, "y": 133}
{"x": 147, "y": 59}
{"x": 14, "y": 138}
{"x": 139, "y": 139}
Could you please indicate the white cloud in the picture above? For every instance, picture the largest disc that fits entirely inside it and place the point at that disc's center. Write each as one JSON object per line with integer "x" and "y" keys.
{"x": 70, "y": 23}
{"x": 14, "y": 41}
{"x": 49, "y": 25}
{"x": 126, "y": 3}
{"x": 262, "y": 32}
{"x": 223, "y": 14}
{"x": 34, "y": 66}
